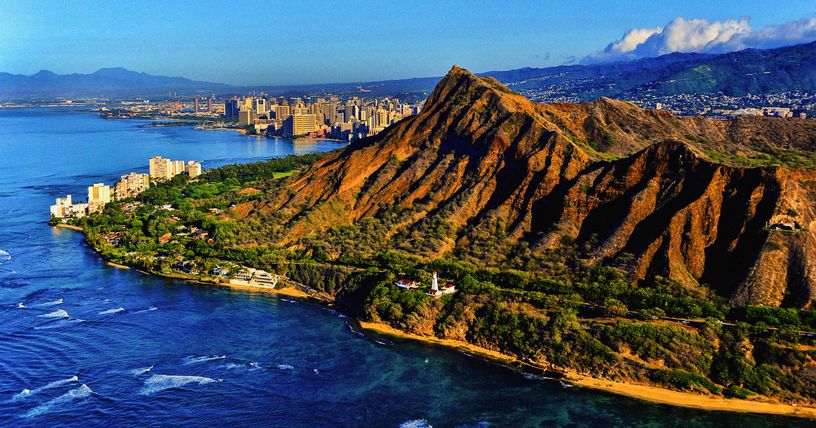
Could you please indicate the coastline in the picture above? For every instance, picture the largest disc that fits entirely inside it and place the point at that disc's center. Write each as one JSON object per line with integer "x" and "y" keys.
{"x": 641, "y": 392}
{"x": 647, "y": 393}
{"x": 68, "y": 226}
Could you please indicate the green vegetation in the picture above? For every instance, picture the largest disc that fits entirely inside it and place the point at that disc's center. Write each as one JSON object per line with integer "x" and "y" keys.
{"x": 542, "y": 307}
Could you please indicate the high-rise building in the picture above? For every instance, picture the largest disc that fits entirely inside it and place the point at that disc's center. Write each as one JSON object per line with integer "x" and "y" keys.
{"x": 193, "y": 169}
{"x": 164, "y": 169}
{"x": 299, "y": 124}
{"x": 282, "y": 112}
{"x": 132, "y": 184}
{"x": 98, "y": 195}
{"x": 352, "y": 112}
{"x": 209, "y": 105}
{"x": 195, "y": 105}
{"x": 259, "y": 106}
{"x": 231, "y": 109}
{"x": 245, "y": 117}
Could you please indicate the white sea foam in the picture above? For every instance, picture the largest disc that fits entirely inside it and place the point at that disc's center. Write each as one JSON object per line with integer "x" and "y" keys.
{"x": 80, "y": 393}
{"x": 285, "y": 367}
{"x": 51, "y": 303}
{"x": 157, "y": 383}
{"x": 140, "y": 371}
{"x": 4, "y": 256}
{"x": 152, "y": 308}
{"x": 21, "y": 305}
{"x": 416, "y": 423}
{"x": 194, "y": 359}
{"x": 566, "y": 385}
{"x": 57, "y": 383}
{"x": 112, "y": 311}
{"x": 59, "y": 313}
{"x": 233, "y": 366}
{"x": 316, "y": 371}
{"x": 531, "y": 376}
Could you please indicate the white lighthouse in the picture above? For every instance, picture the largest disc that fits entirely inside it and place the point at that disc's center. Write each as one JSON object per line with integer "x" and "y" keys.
{"x": 435, "y": 283}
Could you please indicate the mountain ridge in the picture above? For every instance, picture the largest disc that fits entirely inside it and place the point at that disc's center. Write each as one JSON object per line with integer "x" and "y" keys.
{"x": 626, "y": 180}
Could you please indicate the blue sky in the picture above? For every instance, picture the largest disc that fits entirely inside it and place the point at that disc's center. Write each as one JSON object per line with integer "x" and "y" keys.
{"x": 289, "y": 42}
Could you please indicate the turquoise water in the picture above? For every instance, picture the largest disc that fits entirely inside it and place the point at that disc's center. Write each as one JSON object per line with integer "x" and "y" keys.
{"x": 84, "y": 344}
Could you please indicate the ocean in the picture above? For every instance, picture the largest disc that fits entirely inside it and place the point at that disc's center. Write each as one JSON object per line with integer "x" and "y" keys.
{"x": 86, "y": 344}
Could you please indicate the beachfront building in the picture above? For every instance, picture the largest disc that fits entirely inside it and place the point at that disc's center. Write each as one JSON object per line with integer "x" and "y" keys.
{"x": 130, "y": 185}
{"x": 98, "y": 195}
{"x": 299, "y": 124}
{"x": 65, "y": 208}
{"x": 162, "y": 169}
{"x": 437, "y": 291}
{"x": 254, "y": 277}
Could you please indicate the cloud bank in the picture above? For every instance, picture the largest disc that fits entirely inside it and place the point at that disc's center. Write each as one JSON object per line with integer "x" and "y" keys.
{"x": 701, "y": 35}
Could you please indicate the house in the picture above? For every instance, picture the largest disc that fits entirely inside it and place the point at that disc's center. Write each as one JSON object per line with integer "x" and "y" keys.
{"x": 407, "y": 284}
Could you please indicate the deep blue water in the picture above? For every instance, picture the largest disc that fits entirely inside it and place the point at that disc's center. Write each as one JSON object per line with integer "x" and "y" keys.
{"x": 84, "y": 344}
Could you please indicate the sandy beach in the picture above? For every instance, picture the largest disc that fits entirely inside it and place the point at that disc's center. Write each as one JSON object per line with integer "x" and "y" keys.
{"x": 641, "y": 392}
{"x": 68, "y": 226}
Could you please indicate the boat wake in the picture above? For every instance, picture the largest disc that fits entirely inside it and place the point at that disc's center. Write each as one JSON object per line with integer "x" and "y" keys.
{"x": 140, "y": 371}
{"x": 195, "y": 359}
{"x": 285, "y": 367}
{"x": 55, "y": 384}
{"x": 51, "y": 303}
{"x": 157, "y": 383}
{"x": 59, "y": 313}
{"x": 76, "y": 394}
{"x": 112, "y": 311}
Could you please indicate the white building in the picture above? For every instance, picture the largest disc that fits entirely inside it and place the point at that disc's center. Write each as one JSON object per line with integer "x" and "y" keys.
{"x": 65, "y": 208}
{"x": 437, "y": 291}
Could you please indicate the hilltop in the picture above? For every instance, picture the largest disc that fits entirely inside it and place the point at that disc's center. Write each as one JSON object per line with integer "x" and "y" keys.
{"x": 608, "y": 174}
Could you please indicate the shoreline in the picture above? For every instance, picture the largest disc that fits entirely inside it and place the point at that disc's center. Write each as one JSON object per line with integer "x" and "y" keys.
{"x": 646, "y": 393}
{"x": 652, "y": 394}
{"x": 68, "y": 226}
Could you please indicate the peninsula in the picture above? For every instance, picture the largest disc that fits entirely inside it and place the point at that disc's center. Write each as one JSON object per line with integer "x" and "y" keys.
{"x": 624, "y": 248}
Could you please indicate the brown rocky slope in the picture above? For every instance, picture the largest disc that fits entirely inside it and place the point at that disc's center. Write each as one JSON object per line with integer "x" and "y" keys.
{"x": 606, "y": 173}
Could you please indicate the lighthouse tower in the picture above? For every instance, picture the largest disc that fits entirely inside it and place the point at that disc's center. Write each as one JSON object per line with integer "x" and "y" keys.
{"x": 435, "y": 283}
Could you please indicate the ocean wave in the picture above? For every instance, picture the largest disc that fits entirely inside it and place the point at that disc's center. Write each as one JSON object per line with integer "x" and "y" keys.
{"x": 157, "y": 383}
{"x": 21, "y": 305}
{"x": 51, "y": 303}
{"x": 140, "y": 371}
{"x": 57, "y": 383}
{"x": 59, "y": 313}
{"x": 80, "y": 393}
{"x": 112, "y": 311}
{"x": 150, "y": 309}
{"x": 4, "y": 256}
{"x": 353, "y": 330}
{"x": 195, "y": 359}
{"x": 285, "y": 367}
{"x": 416, "y": 423}
{"x": 530, "y": 376}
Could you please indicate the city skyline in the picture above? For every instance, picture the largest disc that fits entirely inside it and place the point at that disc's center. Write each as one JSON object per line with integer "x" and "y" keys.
{"x": 310, "y": 42}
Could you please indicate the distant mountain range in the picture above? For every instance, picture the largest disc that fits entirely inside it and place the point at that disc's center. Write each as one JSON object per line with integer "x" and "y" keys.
{"x": 756, "y": 71}
{"x": 106, "y": 82}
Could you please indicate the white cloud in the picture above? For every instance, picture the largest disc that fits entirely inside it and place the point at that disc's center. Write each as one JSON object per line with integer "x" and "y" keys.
{"x": 701, "y": 35}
